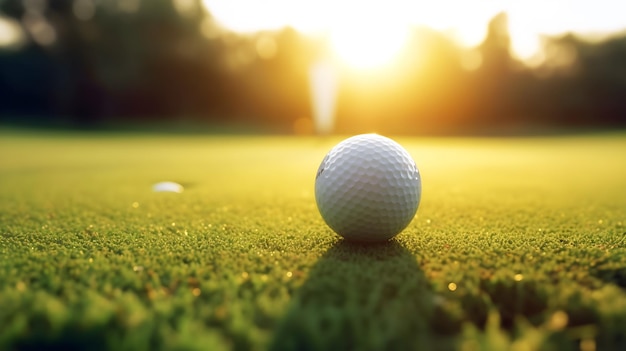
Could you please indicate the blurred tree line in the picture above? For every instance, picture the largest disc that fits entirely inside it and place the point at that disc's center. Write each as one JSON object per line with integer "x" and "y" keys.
{"x": 89, "y": 63}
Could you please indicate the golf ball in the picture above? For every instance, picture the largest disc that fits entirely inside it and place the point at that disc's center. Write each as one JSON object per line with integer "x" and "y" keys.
{"x": 368, "y": 188}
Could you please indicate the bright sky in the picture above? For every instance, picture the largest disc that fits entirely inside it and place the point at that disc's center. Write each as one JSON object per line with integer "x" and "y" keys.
{"x": 387, "y": 21}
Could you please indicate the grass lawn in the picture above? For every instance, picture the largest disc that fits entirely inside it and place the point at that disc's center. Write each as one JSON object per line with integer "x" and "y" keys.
{"x": 518, "y": 244}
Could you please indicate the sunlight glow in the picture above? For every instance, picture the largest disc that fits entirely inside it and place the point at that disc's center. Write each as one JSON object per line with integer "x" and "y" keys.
{"x": 266, "y": 47}
{"x": 525, "y": 46}
{"x": 349, "y": 23}
{"x": 250, "y": 16}
{"x": 364, "y": 43}
{"x": 323, "y": 95}
{"x": 466, "y": 21}
{"x": 185, "y": 7}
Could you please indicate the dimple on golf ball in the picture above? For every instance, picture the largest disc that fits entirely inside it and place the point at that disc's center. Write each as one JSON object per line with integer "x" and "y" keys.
{"x": 368, "y": 188}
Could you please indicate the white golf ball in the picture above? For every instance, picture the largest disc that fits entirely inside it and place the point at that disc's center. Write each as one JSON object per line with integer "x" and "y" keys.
{"x": 368, "y": 188}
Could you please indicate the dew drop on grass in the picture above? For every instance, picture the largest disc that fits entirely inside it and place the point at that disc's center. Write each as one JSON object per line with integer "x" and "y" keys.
{"x": 167, "y": 187}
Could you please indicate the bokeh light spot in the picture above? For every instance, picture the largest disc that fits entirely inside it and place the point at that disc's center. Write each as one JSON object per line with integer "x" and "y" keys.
{"x": 84, "y": 10}
{"x": 209, "y": 29}
{"x": 558, "y": 320}
{"x": 588, "y": 345}
{"x": 41, "y": 31}
{"x": 471, "y": 60}
{"x": 368, "y": 42}
{"x": 128, "y": 6}
{"x": 11, "y": 33}
{"x": 266, "y": 47}
{"x": 185, "y": 7}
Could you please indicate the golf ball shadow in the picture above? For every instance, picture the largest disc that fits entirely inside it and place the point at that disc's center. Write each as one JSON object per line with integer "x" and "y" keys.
{"x": 359, "y": 296}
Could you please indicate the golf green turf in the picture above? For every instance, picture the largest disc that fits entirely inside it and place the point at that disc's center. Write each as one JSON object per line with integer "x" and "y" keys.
{"x": 518, "y": 244}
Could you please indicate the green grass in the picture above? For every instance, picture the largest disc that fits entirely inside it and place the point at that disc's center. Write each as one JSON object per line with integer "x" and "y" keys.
{"x": 518, "y": 244}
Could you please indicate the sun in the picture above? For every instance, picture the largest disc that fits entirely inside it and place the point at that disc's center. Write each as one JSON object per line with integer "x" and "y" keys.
{"x": 367, "y": 38}
{"x": 366, "y": 45}
{"x": 362, "y": 34}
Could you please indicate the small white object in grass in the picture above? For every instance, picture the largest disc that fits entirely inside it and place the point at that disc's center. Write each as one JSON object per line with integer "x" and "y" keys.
{"x": 167, "y": 187}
